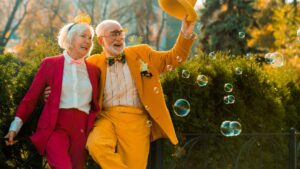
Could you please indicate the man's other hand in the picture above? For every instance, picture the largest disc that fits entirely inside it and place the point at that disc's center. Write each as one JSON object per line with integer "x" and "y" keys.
{"x": 47, "y": 92}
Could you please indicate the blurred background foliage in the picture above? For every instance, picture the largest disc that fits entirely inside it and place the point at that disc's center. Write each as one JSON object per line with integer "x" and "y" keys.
{"x": 231, "y": 34}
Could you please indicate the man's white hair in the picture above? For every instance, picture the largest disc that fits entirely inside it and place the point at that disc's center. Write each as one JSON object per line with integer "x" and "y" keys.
{"x": 67, "y": 32}
{"x": 101, "y": 26}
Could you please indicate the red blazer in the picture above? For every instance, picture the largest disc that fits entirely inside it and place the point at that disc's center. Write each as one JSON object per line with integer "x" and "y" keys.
{"x": 50, "y": 74}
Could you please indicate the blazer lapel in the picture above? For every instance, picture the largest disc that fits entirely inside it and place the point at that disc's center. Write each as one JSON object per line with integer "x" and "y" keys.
{"x": 103, "y": 68}
{"x": 93, "y": 80}
{"x": 60, "y": 72}
{"x": 57, "y": 87}
{"x": 134, "y": 66}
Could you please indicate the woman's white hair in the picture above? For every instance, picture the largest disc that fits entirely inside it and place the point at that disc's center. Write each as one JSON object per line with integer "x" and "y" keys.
{"x": 67, "y": 32}
{"x": 101, "y": 26}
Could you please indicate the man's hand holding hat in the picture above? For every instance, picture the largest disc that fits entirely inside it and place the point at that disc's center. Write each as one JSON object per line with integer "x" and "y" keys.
{"x": 187, "y": 28}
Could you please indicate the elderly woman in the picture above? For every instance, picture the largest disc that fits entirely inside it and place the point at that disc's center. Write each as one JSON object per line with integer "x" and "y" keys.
{"x": 70, "y": 110}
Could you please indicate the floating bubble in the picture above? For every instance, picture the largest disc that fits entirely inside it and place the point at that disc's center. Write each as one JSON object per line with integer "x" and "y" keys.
{"x": 147, "y": 107}
{"x": 298, "y": 32}
{"x": 169, "y": 68}
{"x": 268, "y": 58}
{"x": 228, "y": 87}
{"x": 185, "y": 74}
{"x": 202, "y": 80}
{"x": 248, "y": 55}
{"x": 181, "y": 107}
{"x": 229, "y": 99}
{"x": 156, "y": 90}
{"x": 275, "y": 59}
{"x": 179, "y": 59}
{"x": 212, "y": 55}
{"x": 231, "y": 128}
{"x": 258, "y": 144}
{"x": 236, "y": 128}
{"x": 225, "y": 129}
{"x": 149, "y": 123}
{"x": 179, "y": 152}
{"x": 242, "y": 35}
{"x": 238, "y": 71}
{"x": 279, "y": 59}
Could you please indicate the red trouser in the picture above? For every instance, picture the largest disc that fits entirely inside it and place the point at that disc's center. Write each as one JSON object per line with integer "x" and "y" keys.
{"x": 66, "y": 146}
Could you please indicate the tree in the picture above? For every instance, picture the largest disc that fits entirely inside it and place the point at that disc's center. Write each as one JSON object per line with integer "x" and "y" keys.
{"x": 263, "y": 33}
{"x": 46, "y": 17}
{"x": 41, "y": 25}
{"x": 225, "y": 25}
{"x": 93, "y": 8}
{"x": 13, "y": 21}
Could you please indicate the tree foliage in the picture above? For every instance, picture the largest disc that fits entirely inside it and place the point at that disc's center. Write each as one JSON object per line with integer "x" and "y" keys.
{"x": 223, "y": 21}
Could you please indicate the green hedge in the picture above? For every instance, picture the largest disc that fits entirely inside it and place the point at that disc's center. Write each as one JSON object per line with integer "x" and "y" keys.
{"x": 267, "y": 100}
{"x": 15, "y": 78}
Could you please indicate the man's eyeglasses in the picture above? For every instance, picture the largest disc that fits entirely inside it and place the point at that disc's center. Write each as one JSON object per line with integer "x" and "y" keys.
{"x": 116, "y": 33}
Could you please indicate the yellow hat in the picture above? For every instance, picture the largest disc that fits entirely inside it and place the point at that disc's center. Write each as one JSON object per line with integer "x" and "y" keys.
{"x": 179, "y": 8}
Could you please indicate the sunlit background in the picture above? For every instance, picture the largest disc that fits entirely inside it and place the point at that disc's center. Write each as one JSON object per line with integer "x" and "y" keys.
{"x": 235, "y": 102}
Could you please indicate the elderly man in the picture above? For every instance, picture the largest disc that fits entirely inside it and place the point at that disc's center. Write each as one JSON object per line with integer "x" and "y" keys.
{"x": 133, "y": 109}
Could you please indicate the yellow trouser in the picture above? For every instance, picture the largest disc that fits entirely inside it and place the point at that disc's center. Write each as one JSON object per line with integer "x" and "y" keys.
{"x": 120, "y": 139}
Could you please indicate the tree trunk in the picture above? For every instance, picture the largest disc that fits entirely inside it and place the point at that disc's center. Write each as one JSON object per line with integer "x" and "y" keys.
{"x": 160, "y": 30}
{"x": 3, "y": 37}
{"x": 104, "y": 10}
{"x": 9, "y": 29}
{"x": 148, "y": 15}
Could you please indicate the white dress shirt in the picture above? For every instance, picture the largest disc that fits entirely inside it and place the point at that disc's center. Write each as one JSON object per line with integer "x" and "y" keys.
{"x": 76, "y": 87}
{"x": 120, "y": 87}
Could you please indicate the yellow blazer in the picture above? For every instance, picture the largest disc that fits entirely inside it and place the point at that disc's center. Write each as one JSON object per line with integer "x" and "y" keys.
{"x": 157, "y": 63}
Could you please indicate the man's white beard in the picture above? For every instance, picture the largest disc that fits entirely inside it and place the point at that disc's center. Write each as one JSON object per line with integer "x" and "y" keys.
{"x": 112, "y": 51}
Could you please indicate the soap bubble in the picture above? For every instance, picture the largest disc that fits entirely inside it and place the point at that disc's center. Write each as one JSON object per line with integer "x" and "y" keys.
{"x": 181, "y": 107}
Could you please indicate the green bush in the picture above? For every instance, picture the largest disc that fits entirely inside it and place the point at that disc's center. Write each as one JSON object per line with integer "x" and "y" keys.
{"x": 266, "y": 101}
{"x": 15, "y": 79}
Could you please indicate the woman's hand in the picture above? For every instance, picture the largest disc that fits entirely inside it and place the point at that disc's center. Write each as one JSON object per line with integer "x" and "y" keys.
{"x": 10, "y": 136}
